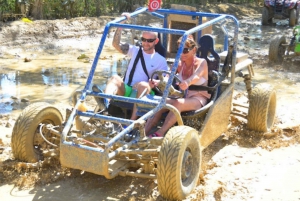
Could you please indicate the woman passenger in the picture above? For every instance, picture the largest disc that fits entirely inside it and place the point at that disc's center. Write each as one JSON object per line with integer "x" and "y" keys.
{"x": 192, "y": 71}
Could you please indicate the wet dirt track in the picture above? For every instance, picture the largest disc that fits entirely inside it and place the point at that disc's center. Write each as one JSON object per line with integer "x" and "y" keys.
{"x": 236, "y": 167}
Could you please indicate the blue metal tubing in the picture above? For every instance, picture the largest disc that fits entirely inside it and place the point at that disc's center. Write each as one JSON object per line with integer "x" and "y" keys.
{"x": 162, "y": 103}
{"x": 165, "y": 35}
{"x": 190, "y": 13}
{"x": 83, "y": 146}
{"x": 141, "y": 119}
{"x": 172, "y": 31}
{"x": 155, "y": 14}
{"x": 92, "y": 72}
{"x": 102, "y": 41}
{"x": 131, "y": 126}
{"x": 70, "y": 121}
{"x": 225, "y": 48}
{"x": 177, "y": 12}
{"x": 123, "y": 98}
{"x": 235, "y": 39}
{"x": 106, "y": 118}
{"x": 200, "y": 32}
{"x": 179, "y": 52}
{"x": 146, "y": 28}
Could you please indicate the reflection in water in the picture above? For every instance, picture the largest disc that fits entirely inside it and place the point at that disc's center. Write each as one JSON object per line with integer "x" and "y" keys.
{"x": 108, "y": 68}
{"x": 8, "y": 89}
{"x": 61, "y": 76}
{"x": 51, "y": 84}
{"x": 285, "y": 82}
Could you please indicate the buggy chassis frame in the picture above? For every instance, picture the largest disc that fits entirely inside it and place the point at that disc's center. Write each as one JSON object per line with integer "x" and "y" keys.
{"x": 101, "y": 160}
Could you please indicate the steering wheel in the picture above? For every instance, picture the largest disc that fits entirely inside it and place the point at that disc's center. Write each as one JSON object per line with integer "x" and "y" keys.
{"x": 173, "y": 93}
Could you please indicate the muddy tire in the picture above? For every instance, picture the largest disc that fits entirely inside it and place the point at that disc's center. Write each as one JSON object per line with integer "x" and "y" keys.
{"x": 293, "y": 17}
{"x": 27, "y": 144}
{"x": 276, "y": 49}
{"x": 179, "y": 163}
{"x": 262, "y": 108}
{"x": 265, "y": 16}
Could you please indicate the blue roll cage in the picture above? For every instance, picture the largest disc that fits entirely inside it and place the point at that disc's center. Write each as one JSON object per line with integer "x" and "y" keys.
{"x": 163, "y": 14}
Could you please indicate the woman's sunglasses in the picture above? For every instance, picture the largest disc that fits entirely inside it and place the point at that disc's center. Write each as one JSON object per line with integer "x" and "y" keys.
{"x": 148, "y": 40}
{"x": 186, "y": 50}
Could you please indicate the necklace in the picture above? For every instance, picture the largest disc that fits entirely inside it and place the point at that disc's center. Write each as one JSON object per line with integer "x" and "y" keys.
{"x": 187, "y": 72}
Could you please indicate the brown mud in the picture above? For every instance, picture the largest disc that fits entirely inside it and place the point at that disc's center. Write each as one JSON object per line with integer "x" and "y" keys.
{"x": 239, "y": 165}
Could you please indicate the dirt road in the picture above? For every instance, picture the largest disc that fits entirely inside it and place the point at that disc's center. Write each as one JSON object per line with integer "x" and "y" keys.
{"x": 240, "y": 165}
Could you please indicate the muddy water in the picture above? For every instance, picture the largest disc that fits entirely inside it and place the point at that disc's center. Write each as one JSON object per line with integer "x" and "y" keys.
{"x": 287, "y": 84}
{"x": 53, "y": 73}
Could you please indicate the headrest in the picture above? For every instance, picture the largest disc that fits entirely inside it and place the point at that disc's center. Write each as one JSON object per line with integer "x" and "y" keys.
{"x": 159, "y": 48}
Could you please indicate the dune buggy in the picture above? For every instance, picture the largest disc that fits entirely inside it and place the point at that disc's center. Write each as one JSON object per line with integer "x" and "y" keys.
{"x": 281, "y": 9}
{"x": 280, "y": 48}
{"x": 97, "y": 142}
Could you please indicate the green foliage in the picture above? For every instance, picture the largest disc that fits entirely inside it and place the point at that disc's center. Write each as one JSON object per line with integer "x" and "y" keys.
{"x": 55, "y": 9}
{"x": 7, "y": 6}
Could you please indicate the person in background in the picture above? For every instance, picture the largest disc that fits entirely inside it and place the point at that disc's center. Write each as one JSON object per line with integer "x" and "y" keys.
{"x": 144, "y": 61}
{"x": 192, "y": 71}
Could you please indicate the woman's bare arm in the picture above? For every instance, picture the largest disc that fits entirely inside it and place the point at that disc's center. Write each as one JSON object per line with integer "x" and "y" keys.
{"x": 200, "y": 71}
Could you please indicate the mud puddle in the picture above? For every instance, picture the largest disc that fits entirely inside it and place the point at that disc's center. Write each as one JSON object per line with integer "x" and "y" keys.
{"x": 287, "y": 85}
{"x": 32, "y": 75}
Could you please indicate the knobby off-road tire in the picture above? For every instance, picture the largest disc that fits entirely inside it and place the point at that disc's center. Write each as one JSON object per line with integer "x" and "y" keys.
{"x": 265, "y": 16}
{"x": 26, "y": 130}
{"x": 276, "y": 49}
{"x": 293, "y": 18}
{"x": 179, "y": 163}
{"x": 262, "y": 107}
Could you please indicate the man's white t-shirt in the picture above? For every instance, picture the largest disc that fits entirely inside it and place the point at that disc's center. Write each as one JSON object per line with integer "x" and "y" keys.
{"x": 153, "y": 63}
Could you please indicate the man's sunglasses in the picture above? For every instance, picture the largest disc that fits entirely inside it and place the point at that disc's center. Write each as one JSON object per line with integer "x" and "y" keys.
{"x": 148, "y": 40}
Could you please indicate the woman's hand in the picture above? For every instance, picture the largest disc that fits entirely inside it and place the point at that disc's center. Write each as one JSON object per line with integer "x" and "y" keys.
{"x": 184, "y": 85}
{"x": 153, "y": 83}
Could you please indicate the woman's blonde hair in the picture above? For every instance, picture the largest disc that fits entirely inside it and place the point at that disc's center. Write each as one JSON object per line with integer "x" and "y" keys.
{"x": 190, "y": 42}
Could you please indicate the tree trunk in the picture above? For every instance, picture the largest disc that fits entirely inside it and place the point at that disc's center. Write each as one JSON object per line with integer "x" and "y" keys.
{"x": 203, "y": 2}
{"x": 98, "y": 9}
{"x": 86, "y": 7}
{"x": 36, "y": 10}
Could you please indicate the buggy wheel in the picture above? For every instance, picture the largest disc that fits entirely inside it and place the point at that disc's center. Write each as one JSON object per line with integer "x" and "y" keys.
{"x": 293, "y": 17}
{"x": 27, "y": 143}
{"x": 179, "y": 163}
{"x": 265, "y": 16}
{"x": 262, "y": 107}
{"x": 277, "y": 49}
